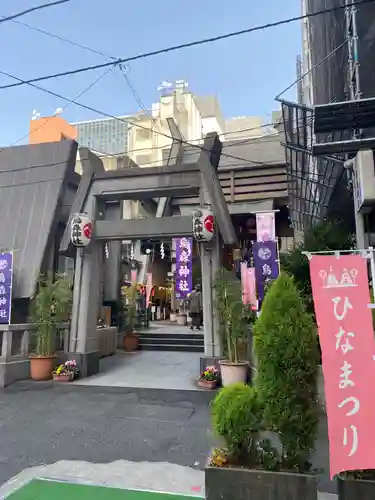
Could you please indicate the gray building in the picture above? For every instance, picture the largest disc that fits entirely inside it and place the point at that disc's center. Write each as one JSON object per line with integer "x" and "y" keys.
{"x": 318, "y": 185}
{"x": 107, "y": 135}
{"x": 325, "y": 33}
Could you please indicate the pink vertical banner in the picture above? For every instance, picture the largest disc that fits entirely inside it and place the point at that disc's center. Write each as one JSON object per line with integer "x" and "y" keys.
{"x": 148, "y": 288}
{"x": 252, "y": 294}
{"x": 266, "y": 226}
{"x": 133, "y": 277}
{"x": 341, "y": 297}
{"x": 249, "y": 295}
{"x": 244, "y": 283}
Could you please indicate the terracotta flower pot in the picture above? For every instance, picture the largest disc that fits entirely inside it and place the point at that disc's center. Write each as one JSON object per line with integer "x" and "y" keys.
{"x": 131, "y": 342}
{"x": 41, "y": 367}
{"x": 232, "y": 373}
{"x": 207, "y": 384}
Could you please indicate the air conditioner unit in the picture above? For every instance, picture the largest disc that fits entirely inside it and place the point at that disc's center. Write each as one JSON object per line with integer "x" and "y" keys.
{"x": 364, "y": 180}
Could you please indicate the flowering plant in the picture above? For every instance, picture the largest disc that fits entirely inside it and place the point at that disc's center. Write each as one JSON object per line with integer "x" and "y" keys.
{"x": 67, "y": 368}
{"x": 211, "y": 374}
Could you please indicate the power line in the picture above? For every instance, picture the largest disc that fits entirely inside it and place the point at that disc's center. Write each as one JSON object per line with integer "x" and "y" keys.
{"x": 63, "y": 108}
{"x": 107, "y": 115}
{"x": 125, "y": 73}
{"x": 277, "y": 98}
{"x": 260, "y": 139}
{"x": 63, "y": 39}
{"x": 173, "y": 48}
{"x": 264, "y": 139}
{"x": 32, "y": 9}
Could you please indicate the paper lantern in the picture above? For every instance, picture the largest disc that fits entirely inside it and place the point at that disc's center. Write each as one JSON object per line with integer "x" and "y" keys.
{"x": 203, "y": 225}
{"x": 81, "y": 230}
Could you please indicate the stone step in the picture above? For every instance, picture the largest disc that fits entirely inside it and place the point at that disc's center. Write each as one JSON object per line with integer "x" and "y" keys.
{"x": 150, "y": 339}
{"x": 171, "y": 347}
{"x": 178, "y": 336}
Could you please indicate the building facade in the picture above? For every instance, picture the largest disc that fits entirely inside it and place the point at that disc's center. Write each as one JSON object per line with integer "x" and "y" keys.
{"x": 150, "y": 138}
{"x": 318, "y": 185}
{"x": 50, "y": 129}
{"x": 106, "y": 135}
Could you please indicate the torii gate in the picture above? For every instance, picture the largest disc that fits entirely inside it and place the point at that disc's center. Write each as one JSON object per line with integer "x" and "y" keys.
{"x": 100, "y": 194}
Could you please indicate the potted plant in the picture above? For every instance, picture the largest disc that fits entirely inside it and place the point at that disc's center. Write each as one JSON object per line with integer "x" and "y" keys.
{"x": 234, "y": 318}
{"x": 210, "y": 378}
{"x": 50, "y": 307}
{"x": 270, "y": 429}
{"x": 66, "y": 372}
{"x": 131, "y": 338}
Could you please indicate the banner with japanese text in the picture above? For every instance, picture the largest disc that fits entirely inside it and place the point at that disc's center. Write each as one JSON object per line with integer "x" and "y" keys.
{"x": 341, "y": 298}
{"x": 184, "y": 267}
{"x": 6, "y": 275}
{"x": 266, "y": 264}
{"x": 265, "y": 223}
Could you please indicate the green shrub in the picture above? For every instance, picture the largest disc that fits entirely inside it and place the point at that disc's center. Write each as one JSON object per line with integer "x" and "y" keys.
{"x": 285, "y": 346}
{"x": 236, "y": 418}
{"x": 327, "y": 235}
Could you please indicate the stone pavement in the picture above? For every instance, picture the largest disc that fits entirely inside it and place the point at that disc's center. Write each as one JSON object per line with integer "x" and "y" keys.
{"x": 98, "y": 432}
{"x": 147, "y": 369}
{"x": 42, "y": 423}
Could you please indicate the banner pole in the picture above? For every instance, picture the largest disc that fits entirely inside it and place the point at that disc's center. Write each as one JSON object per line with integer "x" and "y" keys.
{"x": 278, "y": 254}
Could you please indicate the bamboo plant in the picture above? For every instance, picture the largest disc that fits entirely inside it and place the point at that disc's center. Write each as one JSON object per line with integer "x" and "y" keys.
{"x": 233, "y": 317}
{"x": 50, "y": 307}
{"x": 130, "y": 295}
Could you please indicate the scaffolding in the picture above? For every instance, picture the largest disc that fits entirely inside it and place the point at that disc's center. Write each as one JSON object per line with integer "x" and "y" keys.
{"x": 321, "y": 137}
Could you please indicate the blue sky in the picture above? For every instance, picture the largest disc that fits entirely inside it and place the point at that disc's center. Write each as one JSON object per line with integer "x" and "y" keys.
{"x": 245, "y": 73}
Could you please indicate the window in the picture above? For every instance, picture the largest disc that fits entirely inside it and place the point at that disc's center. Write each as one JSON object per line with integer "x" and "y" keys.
{"x": 144, "y": 160}
{"x": 143, "y": 134}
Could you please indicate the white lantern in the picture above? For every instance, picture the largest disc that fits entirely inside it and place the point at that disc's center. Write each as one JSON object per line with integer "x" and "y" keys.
{"x": 81, "y": 230}
{"x": 203, "y": 225}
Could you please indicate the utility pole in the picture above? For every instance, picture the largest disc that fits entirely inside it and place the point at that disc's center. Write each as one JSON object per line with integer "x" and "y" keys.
{"x": 354, "y": 88}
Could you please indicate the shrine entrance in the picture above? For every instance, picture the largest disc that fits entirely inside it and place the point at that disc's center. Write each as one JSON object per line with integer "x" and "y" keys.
{"x": 99, "y": 199}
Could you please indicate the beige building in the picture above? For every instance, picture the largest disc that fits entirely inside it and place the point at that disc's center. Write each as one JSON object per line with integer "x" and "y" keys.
{"x": 149, "y": 139}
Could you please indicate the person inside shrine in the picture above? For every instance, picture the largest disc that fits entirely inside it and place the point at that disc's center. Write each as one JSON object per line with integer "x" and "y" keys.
{"x": 195, "y": 308}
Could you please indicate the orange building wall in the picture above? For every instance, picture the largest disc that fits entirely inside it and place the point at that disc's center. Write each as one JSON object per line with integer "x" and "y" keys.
{"x": 51, "y": 129}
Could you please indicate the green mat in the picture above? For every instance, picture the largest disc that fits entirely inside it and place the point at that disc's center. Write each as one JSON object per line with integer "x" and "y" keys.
{"x": 39, "y": 489}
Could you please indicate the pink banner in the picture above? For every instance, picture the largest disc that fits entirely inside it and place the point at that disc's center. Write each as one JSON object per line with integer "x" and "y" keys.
{"x": 133, "y": 277}
{"x": 252, "y": 294}
{"x": 249, "y": 295}
{"x": 341, "y": 297}
{"x": 148, "y": 288}
{"x": 244, "y": 283}
{"x": 266, "y": 226}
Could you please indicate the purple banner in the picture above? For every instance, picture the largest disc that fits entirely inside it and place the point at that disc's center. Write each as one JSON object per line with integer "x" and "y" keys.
{"x": 184, "y": 258}
{"x": 6, "y": 267}
{"x": 265, "y": 263}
